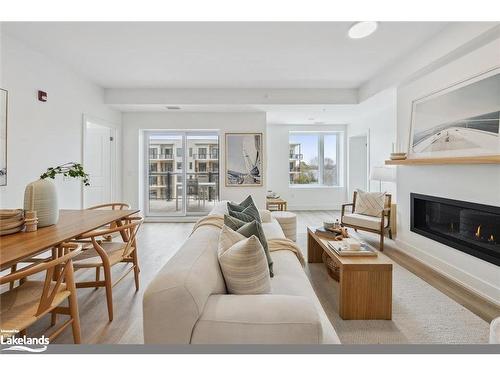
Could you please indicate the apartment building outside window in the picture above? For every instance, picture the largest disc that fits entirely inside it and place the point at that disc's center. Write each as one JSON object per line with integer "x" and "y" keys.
{"x": 183, "y": 173}
{"x": 315, "y": 159}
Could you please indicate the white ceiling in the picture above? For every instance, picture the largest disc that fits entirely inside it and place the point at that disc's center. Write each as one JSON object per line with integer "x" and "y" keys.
{"x": 275, "y": 114}
{"x": 223, "y": 55}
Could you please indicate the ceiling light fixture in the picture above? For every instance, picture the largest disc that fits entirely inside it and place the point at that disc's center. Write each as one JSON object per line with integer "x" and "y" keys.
{"x": 362, "y": 29}
{"x": 172, "y": 108}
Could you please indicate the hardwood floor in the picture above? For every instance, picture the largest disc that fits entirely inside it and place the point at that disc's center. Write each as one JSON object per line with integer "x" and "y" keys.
{"x": 158, "y": 242}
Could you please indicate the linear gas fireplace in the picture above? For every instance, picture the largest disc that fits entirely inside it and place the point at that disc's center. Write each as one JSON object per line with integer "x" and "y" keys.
{"x": 469, "y": 227}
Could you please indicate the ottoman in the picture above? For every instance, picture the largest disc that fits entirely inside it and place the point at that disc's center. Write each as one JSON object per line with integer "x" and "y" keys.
{"x": 288, "y": 222}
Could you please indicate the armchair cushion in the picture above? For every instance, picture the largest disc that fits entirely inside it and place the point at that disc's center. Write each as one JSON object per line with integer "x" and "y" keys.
{"x": 371, "y": 204}
{"x": 364, "y": 221}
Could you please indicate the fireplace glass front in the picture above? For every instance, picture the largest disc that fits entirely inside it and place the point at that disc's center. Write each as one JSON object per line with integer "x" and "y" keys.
{"x": 469, "y": 227}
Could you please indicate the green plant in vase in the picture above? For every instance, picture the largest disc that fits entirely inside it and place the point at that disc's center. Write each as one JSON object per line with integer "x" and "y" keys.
{"x": 41, "y": 195}
{"x": 72, "y": 169}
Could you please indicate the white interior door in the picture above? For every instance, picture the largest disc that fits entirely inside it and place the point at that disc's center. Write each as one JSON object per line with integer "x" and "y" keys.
{"x": 358, "y": 163}
{"x": 98, "y": 151}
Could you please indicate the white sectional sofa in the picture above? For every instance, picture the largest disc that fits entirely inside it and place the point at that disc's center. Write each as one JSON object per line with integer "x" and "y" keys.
{"x": 187, "y": 302}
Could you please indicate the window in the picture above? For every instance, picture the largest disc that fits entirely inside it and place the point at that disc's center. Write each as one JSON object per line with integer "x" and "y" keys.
{"x": 190, "y": 165}
{"x": 179, "y": 152}
{"x": 315, "y": 158}
{"x": 179, "y": 165}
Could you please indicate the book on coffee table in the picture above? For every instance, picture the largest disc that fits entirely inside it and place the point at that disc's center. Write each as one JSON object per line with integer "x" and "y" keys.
{"x": 342, "y": 250}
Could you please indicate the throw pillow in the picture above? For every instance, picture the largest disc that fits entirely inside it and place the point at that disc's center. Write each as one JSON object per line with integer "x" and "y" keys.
{"x": 249, "y": 229}
{"x": 371, "y": 204}
{"x": 248, "y": 214}
{"x": 247, "y": 207}
{"x": 241, "y": 206}
{"x": 243, "y": 263}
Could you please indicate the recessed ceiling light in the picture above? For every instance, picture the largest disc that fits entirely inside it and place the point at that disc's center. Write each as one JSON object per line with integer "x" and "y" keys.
{"x": 172, "y": 107}
{"x": 362, "y": 29}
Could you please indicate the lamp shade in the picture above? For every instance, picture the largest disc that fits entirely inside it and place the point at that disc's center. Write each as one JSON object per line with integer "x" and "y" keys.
{"x": 385, "y": 174}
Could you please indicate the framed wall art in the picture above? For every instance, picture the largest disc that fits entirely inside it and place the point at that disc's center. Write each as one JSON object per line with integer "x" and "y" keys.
{"x": 243, "y": 159}
{"x": 458, "y": 121}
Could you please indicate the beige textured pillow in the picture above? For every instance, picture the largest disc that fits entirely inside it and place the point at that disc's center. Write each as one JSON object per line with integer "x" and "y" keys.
{"x": 243, "y": 263}
{"x": 371, "y": 204}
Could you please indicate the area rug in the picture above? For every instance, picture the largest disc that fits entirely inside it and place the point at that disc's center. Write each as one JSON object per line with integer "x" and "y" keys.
{"x": 421, "y": 313}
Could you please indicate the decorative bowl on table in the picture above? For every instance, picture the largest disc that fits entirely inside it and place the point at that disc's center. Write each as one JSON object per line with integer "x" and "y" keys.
{"x": 272, "y": 195}
{"x": 329, "y": 225}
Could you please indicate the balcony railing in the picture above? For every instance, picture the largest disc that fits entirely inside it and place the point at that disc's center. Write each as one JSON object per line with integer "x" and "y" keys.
{"x": 296, "y": 156}
{"x": 207, "y": 156}
{"x": 161, "y": 156}
{"x": 168, "y": 184}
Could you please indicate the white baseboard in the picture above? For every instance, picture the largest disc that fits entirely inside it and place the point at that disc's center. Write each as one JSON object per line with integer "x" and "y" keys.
{"x": 468, "y": 281}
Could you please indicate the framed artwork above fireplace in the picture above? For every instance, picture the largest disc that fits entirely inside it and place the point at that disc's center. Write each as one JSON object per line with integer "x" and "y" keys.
{"x": 461, "y": 120}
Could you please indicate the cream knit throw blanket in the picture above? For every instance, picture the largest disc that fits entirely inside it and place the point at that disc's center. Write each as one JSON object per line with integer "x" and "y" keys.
{"x": 212, "y": 220}
{"x": 274, "y": 244}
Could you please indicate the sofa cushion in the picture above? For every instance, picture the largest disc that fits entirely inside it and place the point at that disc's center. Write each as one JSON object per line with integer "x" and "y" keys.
{"x": 243, "y": 263}
{"x": 273, "y": 230}
{"x": 175, "y": 298}
{"x": 258, "y": 319}
{"x": 248, "y": 229}
{"x": 365, "y": 221}
{"x": 371, "y": 204}
{"x": 290, "y": 279}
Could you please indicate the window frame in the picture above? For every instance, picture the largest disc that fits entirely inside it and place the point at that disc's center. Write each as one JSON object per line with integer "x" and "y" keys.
{"x": 321, "y": 158}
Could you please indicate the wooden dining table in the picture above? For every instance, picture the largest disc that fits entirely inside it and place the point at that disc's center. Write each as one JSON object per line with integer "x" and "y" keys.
{"x": 71, "y": 224}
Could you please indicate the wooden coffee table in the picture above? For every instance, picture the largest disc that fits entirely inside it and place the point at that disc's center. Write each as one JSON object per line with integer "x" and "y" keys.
{"x": 365, "y": 282}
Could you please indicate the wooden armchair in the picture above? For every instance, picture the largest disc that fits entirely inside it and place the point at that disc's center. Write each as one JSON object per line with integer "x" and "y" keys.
{"x": 374, "y": 224}
{"x": 110, "y": 206}
{"x": 106, "y": 254}
{"x": 27, "y": 303}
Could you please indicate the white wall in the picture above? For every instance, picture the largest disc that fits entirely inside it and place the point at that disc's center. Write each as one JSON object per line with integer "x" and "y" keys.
{"x": 377, "y": 118}
{"x": 134, "y": 123}
{"x": 475, "y": 183}
{"x": 41, "y": 135}
{"x": 299, "y": 198}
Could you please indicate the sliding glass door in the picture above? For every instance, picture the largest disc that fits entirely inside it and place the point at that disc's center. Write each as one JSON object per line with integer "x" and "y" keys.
{"x": 182, "y": 173}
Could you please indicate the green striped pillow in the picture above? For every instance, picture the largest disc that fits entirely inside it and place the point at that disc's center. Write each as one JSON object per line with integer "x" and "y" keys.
{"x": 248, "y": 214}
{"x": 241, "y": 206}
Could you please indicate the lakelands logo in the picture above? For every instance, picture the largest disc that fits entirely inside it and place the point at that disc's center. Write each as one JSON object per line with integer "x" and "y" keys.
{"x": 23, "y": 344}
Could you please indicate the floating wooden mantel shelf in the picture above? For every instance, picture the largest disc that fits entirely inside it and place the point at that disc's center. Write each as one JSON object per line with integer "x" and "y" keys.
{"x": 492, "y": 159}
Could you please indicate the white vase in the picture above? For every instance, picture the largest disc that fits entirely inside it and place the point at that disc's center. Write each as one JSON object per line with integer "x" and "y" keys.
{"x": 41, "y": 196}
